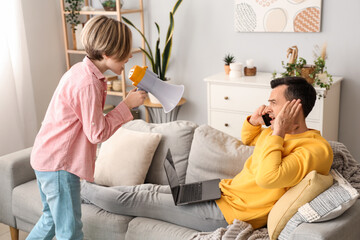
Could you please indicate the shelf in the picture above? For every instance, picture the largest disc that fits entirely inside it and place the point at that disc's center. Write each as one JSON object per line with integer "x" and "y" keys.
{"x": 114, "y": 93}
{"x": 82, "y": 52}
{"x": 103, "y": 12}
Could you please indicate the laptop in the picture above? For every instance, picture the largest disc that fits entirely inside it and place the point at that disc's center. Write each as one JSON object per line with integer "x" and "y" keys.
{"x": 192, "y": 192}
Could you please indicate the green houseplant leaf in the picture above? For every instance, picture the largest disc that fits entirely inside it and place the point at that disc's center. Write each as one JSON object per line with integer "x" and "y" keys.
{"x": 73, "y": 7}
{"x": 159, "y": 61}
{"x": 168, "y": 45}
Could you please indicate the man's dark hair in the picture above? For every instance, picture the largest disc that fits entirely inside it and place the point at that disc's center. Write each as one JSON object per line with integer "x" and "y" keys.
{"x": 298, "y": 88}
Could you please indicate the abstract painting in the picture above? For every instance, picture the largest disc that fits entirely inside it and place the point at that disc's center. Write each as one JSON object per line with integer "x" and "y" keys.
{"x": 277, "y": 15}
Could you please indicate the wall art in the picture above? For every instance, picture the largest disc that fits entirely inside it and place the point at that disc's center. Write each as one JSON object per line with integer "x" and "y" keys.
{"x": 277, "y": 15}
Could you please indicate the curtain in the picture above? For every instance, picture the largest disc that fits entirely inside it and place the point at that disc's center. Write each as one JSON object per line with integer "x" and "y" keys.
{"x": 18, "y": 123}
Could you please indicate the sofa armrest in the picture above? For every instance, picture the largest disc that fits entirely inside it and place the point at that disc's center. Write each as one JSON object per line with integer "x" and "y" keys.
{"x": 344, "y": 227}
{"x": 15, "y": 169}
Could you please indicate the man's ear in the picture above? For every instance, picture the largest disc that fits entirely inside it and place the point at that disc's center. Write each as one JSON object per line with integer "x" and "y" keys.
{"x": 301, "y": 113}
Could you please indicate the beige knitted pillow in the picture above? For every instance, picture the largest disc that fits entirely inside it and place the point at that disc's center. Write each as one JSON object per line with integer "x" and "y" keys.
{"x": 305, "y": 191}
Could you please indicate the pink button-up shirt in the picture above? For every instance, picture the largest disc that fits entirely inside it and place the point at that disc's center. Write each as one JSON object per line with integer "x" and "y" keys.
{"x": 74, "y": 123}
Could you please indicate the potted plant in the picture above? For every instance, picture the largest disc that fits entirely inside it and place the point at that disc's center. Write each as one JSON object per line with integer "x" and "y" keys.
{"x": 316, "y": 73}
{"x": 159, "y": 62}
{"x": 110, "y": 5}
{"x": 322, "y": 78}
{"x": 229, "y": 58}
{"x": 73, "y": 8}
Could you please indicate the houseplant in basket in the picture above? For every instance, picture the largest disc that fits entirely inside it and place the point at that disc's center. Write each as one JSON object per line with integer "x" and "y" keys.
{"x": 110, "y": 5}
{"x": 159, "y": 60}
{"x": 73, "y": 8}
{"x": 229, "y": 58}
{"x": 315, "y": 73}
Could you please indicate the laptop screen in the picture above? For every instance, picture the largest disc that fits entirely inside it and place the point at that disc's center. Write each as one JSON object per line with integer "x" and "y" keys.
{"x": 170, "y": 171}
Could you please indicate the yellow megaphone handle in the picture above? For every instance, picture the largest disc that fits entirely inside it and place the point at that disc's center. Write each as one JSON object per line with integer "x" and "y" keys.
{"x": 136, "y": 74}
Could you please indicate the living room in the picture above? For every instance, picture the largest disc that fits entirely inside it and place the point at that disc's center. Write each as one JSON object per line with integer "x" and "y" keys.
{"x": 204, "y": 32}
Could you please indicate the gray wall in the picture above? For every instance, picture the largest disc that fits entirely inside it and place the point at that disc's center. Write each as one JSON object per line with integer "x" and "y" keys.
{"x": 204, "y": 32}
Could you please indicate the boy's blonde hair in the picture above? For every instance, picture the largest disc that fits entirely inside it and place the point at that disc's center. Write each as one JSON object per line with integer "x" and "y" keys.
{"x": 103, "y": 35}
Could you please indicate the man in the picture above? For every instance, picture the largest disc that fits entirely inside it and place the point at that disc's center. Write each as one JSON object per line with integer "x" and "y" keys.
{"x": 283, "y": 155}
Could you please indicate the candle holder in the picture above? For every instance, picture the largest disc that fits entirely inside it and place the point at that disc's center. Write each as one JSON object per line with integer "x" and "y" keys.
{"x": 249, "y": 71}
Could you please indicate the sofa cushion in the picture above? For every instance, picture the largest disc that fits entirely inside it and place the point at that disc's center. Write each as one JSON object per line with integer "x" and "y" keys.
{"x": 344, "y": 227}
{"x": 124, "y": 159}
{"x": 150, "y": 229}
{"x": 177, "y": 136}
{"x": 100, "y": 224}
{"x": 215, "y": 154}
{"x": 26, "y": 203}
{"x": 285, "y": 208}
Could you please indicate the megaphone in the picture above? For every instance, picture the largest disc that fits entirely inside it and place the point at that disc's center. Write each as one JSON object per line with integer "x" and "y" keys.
{"x": 169, "y": 95}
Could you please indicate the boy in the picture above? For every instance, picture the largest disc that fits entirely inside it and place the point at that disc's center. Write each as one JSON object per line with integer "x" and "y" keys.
{"x": 65, "y": 147}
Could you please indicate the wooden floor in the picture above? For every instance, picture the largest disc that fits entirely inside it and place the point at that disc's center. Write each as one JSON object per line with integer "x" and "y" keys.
{"x": 5, "y": 233}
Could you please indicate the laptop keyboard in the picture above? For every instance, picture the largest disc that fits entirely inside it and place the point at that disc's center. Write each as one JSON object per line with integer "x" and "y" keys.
{"x": 191, "y": 192}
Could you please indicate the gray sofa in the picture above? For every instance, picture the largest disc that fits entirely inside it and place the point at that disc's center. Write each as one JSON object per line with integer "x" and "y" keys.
{"x": 20, "y": 205}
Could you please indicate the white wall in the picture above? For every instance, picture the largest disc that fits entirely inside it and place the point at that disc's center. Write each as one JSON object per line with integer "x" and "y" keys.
{"x": 204, "y": 32}
{"x": 44, "y": 37}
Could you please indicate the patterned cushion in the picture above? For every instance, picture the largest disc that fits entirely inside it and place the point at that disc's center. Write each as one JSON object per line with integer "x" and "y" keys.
{"x": 328, "y": 205}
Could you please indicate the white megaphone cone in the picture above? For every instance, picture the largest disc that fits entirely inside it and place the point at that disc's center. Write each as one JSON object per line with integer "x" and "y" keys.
{"x": 169, "y": 95}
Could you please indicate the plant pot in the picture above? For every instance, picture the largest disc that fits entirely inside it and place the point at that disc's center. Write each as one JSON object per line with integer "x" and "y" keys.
{"x": 227, "y": 69}
{"x": 110, "y": 5}
{"x": 323, "y": 77}
{"x": 306, "y": 71}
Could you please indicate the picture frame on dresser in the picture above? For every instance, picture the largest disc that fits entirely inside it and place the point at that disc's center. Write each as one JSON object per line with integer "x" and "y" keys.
{"x": 231, "y": 100}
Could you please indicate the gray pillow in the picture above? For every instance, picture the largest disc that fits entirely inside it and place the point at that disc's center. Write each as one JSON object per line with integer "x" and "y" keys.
{"x": 177, "y": 136}
{"x": 215, "y": 154}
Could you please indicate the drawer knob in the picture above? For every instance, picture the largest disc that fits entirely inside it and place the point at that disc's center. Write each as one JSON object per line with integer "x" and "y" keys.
{"x": 226, "y": 98}
{"x": 226, "y": 124}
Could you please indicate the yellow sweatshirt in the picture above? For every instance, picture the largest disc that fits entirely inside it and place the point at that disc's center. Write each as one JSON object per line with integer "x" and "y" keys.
{"x": 276, "y": 165}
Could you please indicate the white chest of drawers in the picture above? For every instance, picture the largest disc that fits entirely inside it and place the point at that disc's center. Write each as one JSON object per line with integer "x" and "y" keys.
{"x": 231, "y": 100}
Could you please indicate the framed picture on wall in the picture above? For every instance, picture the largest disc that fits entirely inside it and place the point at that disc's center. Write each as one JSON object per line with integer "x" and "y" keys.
{"x": 277, "y": 15}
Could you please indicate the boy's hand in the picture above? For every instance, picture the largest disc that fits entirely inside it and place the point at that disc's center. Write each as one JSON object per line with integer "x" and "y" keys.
{"x": 135, "y": 98}
{"x": 287, "y": 119}
{"x": 256, "y": 118}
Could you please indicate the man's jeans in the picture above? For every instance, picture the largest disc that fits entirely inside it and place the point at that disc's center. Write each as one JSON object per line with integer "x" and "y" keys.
{"x": 153, "y": 201}
{"x": 60, "y": 195}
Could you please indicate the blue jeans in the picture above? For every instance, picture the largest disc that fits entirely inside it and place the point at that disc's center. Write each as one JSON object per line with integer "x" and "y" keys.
{"x": 60, "y": 195}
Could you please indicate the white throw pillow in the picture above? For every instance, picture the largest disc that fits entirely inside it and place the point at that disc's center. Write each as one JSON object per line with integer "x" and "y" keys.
{"x": 176, "y": 136}
{"x": 125, "y": 157}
